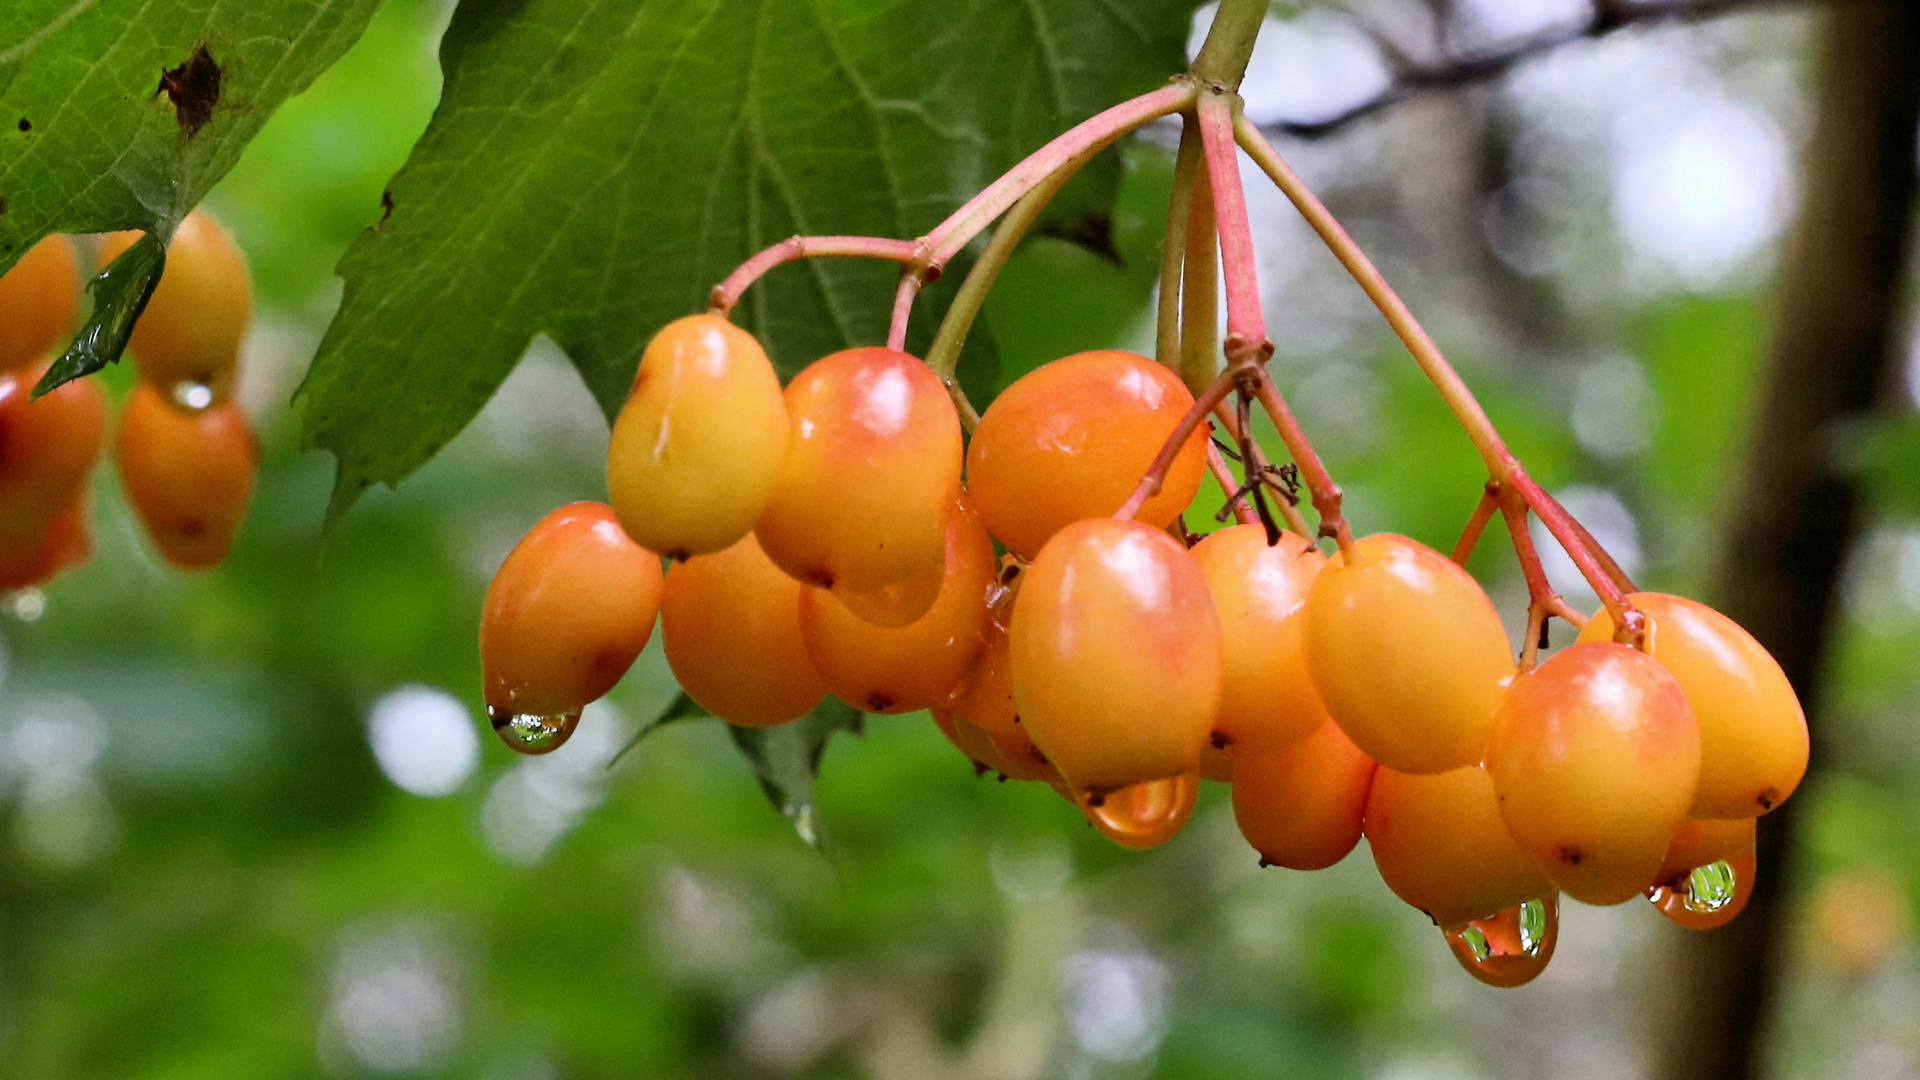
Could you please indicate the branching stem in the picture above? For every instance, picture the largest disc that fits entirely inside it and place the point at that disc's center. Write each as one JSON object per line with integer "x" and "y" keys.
{"x": 1502, "y": 466}
{"x": 1087, "y": 137}
{"x": 1289, "y": 501}
{"x": 1243, "y": 512}
{"x": 1320, "y": 486}
{"x": 727, "y": 293}
{"x": 1477, "y": 524}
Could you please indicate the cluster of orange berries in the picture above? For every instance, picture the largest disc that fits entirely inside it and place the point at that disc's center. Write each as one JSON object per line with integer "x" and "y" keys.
{"x": 821, "y": 540}
{"x": 187, "y": 454}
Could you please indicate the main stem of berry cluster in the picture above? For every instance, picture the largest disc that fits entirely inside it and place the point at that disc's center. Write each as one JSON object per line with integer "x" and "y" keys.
{"x": 1209, "y": 241}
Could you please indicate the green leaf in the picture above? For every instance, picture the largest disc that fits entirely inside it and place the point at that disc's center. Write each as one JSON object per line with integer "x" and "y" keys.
{"x": 120, "y": 294}
{"x": 682, "y": 707}
{"x": 594, "y": 169}
{"x": 786, "y": 758}
{"x": 118, "y": 114}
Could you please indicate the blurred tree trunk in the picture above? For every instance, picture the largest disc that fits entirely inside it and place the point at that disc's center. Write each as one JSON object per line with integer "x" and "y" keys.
{"x": 1842, "y": 285}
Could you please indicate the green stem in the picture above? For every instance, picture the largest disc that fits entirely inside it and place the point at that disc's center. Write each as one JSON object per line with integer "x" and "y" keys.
{"x": 1223, "y": 58}
{"x": 943, "y": 356}
{"x": 1173, "y": 247}
{"x": 1200, "y": 291}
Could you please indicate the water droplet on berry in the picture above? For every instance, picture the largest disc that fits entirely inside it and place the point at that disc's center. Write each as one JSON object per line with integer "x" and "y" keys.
{"x": 1706, "y": 896}
{"x": 1145, "y": 815}
{"x": 1510, "y": 948}
{"x": 530, "y": 733}
{"x": 192, "y": 395}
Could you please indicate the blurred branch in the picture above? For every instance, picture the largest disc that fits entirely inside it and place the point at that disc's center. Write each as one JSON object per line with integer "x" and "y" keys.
{"x": 1412, "y": 79}
{"x": 1842, "y": 282}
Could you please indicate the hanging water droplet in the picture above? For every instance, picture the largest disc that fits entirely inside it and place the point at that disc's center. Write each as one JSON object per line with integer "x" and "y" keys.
{"x": 1145, "y": 815}
{"x": 531, "y": 733}
{"x": 1706, "y": 896}
{"x": 189, "y": 394}
{"x": 1510, "y": 948}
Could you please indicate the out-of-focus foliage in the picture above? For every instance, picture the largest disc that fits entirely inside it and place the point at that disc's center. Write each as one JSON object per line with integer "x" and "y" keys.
{"x": 210, "y": 867}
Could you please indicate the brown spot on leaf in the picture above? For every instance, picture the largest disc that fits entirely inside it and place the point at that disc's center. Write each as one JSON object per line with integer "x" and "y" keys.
{"x": 194, "y": 89}
{"x": 386, "y": 208}
{"x": 3, "y": 206}
{"x": 25, "y": 124}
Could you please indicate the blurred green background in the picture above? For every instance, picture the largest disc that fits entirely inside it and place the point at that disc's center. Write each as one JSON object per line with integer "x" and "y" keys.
{"x": 253, "y": 824}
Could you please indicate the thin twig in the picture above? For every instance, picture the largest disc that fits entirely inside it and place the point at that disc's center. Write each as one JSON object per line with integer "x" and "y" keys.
{"x": 1477, "y": 524}
{"x": 1236, "y": 493}
{"x": 1415, "y": 80}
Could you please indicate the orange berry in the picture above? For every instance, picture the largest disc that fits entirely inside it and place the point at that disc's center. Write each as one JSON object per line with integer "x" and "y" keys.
{"x": 188, "y": 474}
{"x": 732, "y": 626}
{"x": 47, "y": 448}
{"x": 39, "y": 297}
{"x": 1753, "y": 734}
{"x": 1267, "y": 698}
{"x": 1595, "y": 754}
{"x": 907, "y": 668}
{"x": 1407, "y": 653}
{"x": 1301, "y": 805}
{"x": 191, "y": 329}
{"x": 870, "y": 476}
{"x": 66, "y": 541}
{"x": 697, "y": 447}
{"x": 984, "y": 695}
{"x": 565, "y": 615}
{"x": 1440, "y": 845}
{"x": 1071, "y": 439}
{"x": 1115, "y": 650}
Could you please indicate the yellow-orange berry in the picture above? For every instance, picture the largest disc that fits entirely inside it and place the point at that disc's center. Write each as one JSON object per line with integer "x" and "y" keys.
{"x": 1407, "y": 653}
{"x": 871, "y": 473}
{"x": 1753, "y": 734}
{"x": 1071, "y": 439}
{"x": 1115, "y": 652}
{"x": 188, "y": 474}
{"x": 697, "y": 447}
{"x": 903, "y": 669}
{"x": 191, "y": 329}
{"x": 1267, "y": 698}
{"x": 565, "y": 615}
{"x": 1440, "y": 845}
{"x": 1301, "y": 804}
{"x": 1595, "y": 754}
{"x": 732, "y": 626}
{"x": 39, "y": 297}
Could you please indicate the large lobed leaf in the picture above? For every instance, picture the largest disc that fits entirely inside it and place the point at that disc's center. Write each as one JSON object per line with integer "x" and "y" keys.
{"x": 595, "y": 166}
